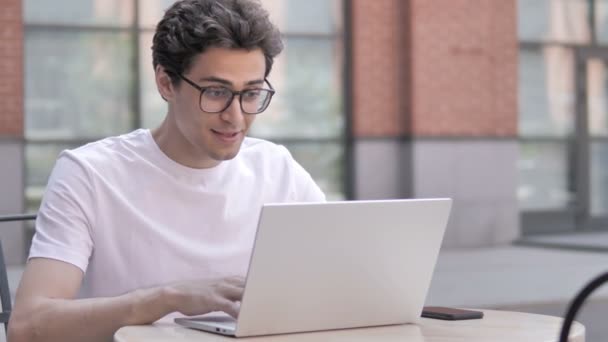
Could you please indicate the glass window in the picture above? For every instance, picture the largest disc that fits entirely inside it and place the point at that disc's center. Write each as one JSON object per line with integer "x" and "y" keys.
{"x": 77, "y": 84}
{"x": 553, "y": 20}
{"x": 597, "y": 106}
{"x": 291, "y": 16}
{"x": 599, "y": 178}
{"x": 311, "y": 16}
{"x": 546, "y": 92}
{"x": 308, "y": 102}
{"x": 597, "y": 109}
{"x": 153, "y": 107}
{"x": 79, "y": 12}
{"x": 80, "y": 80}
{"x": 543, "y": 176}
{"x": 151, "y": 11}
{"x": 601, "y": 20}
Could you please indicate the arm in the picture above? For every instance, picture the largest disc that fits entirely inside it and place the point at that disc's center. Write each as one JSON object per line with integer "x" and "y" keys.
{"x": 46, "y": 311}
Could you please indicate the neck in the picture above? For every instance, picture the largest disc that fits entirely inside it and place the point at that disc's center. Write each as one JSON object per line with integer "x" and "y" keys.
{"x": 177, "y": 147}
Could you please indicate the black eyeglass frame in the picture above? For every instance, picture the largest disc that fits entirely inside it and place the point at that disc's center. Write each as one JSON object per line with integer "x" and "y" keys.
{"x": 270, "y": 91}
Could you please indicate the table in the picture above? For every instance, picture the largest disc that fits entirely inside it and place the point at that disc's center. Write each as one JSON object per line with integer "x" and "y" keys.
{"x": 496, "y": 326}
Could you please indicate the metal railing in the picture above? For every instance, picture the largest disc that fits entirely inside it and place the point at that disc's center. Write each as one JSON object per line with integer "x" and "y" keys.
{"x": 20, "y": 217}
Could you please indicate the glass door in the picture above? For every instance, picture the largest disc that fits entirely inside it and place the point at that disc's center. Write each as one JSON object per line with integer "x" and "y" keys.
{"x": 563, "y": 139}
{"x": 592, "y": 138}
{"x": 547, "y": 191}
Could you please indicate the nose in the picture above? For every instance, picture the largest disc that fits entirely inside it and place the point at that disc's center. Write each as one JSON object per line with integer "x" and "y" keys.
{"x": 233, "y": 113}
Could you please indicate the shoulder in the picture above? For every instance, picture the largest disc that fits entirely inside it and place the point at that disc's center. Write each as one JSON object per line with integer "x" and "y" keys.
{"x": 109, "y": 150}
{"x": 256, "y": 145}
{"x": 281, "y": 170}
{"x": 265, "y": 157}
{"x": 264, "y": 149}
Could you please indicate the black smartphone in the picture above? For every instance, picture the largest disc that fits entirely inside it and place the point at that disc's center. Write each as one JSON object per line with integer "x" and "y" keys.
{"x": 450, "y": 314}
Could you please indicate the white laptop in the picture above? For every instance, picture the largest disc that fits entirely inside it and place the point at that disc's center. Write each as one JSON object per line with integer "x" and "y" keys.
{"x": 336, "y": 265}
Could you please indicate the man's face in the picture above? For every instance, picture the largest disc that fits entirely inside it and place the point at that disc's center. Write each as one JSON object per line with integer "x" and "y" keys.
{"x": 213, "y": 137}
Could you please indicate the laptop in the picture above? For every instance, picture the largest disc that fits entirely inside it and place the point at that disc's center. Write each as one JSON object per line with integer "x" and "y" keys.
{"x": 336, "y": 265}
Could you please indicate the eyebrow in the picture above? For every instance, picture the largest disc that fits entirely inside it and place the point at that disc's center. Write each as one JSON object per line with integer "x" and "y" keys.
{"x": 228, "y": 83}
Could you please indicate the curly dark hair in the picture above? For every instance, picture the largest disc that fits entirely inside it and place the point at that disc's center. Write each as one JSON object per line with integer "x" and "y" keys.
{"x": 189, "y": 27}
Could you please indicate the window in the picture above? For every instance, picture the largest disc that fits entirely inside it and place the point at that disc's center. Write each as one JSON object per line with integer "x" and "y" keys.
{"x": 562, "y": 64}
{"x": 88, "y": 75}
{"x": 547, "y": 28}
{"x": 562, "y": 21}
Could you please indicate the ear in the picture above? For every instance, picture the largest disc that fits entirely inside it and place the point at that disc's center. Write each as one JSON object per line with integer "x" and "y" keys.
{"x": 164, "y": 84}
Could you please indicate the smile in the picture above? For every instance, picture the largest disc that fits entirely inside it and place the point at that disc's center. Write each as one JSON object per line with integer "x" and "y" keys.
{"x": 227, "y": 136}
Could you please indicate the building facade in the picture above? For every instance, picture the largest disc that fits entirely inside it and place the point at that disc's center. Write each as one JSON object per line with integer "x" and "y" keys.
{"x": 383, "y": 99}
{"x": 12, "y": 127}
{"x": 435, "y": 110}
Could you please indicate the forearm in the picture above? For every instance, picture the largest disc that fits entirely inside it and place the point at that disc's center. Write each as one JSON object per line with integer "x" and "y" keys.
{"x": 95, "y": 319}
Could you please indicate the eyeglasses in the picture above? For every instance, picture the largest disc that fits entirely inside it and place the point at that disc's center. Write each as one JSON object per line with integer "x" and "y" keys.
{"x": 216, "y": 99}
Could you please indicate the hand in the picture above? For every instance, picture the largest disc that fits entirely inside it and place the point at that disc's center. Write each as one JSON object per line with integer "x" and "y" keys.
{"x": 203, "y": 296}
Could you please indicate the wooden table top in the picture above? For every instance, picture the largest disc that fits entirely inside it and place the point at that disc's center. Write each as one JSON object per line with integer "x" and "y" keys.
{"x": 496, "y": 326}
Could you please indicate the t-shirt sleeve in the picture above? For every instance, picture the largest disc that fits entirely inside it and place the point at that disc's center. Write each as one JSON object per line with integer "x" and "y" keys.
{"x": 65, "y": 217}
{"x": 304, "y": 187}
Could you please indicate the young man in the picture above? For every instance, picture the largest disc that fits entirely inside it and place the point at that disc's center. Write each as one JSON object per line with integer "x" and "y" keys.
{"x": 135, "y": 227}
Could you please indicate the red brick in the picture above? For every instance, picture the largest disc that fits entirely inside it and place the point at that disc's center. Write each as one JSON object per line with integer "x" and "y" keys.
{"x": 11, "y": 68}
{"x": 376, "y": 63}
{"x": 464, "y": 68}
{"x": 435, "y": 68}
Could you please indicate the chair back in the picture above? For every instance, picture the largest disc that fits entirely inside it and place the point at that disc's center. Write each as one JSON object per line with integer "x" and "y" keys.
{"x": 577, "y": 304}
{"x": 5, "y": 291}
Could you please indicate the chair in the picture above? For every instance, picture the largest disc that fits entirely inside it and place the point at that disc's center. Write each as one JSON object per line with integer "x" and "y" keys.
{"x": 577, "y": 304}
{"x": 5, "y": 293}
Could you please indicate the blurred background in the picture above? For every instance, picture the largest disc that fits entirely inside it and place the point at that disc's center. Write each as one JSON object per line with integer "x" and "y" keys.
{"x": 499, "y": 104}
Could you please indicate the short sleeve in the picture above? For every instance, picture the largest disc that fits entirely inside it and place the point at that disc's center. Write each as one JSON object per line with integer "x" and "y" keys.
{"x": 66, "y": 215}
{"x": 304, "y": 187}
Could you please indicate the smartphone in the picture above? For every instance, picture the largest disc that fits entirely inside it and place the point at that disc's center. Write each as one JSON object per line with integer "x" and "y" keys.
{"x": 450, "y": 314}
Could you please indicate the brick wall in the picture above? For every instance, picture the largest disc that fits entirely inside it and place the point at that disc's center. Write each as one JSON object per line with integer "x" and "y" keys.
{"x": 378, "y": 60}
{"x": 11, "y": 68}
{"x": 464, "y": 67}
{"x": 435, "y": 68}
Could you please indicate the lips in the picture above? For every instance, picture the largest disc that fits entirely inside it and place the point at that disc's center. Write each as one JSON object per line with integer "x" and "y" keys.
{"x": 227, "y": 136}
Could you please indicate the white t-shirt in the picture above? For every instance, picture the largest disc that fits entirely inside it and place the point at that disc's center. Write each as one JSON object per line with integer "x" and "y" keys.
{"x": 130, "y": 217}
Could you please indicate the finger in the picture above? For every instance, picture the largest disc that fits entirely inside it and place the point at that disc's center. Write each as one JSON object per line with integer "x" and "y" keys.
{"x": 230, "y": 307}
{"x": 236, "y": 281}
{"x": 230, "y": 292}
